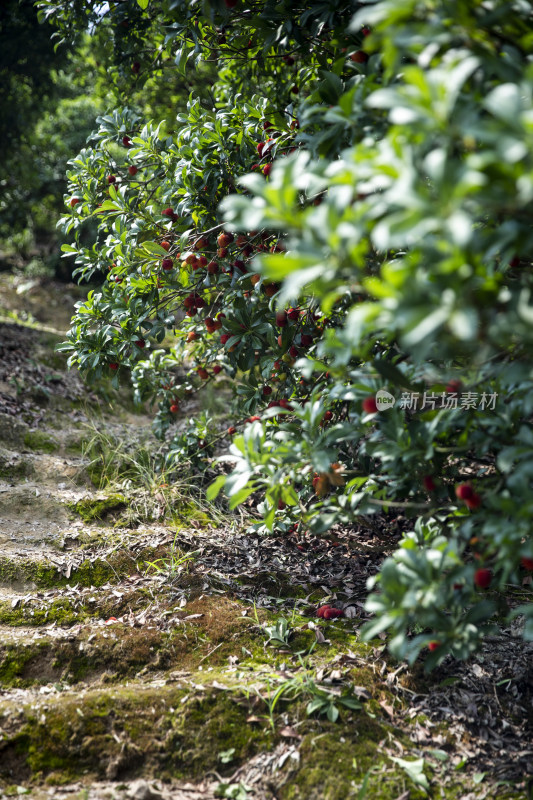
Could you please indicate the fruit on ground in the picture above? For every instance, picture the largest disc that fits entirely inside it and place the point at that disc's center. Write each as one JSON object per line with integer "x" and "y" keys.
{"x": 370, "y": 405}
{"x": 332, "y": 613}
{"x": 482, "y": 578}
{"x": 320, "y": 611}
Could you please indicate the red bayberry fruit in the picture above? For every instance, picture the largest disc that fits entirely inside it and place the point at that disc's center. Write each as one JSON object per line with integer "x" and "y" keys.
{"x": 202, "y": 373}
{"x": 111, "y": 179}
{"x": 168, "y": 212}
{"x": 174, "y": 408}
{"x": 167, "y": 264}
{"x": 429, "y": 483}
{"x": 141, "y": 343}
{"x": 360, "y": 57}
{"x": 295, "y": 89}
{"x": 231, "y": 430}
{"x": 289, "y": 60}
{"x": 293, "y": 314}
{"x": 306, "y": 340}
{"x": 126, "y": 141}
{"x": 527, "y": 562}
{"x": 464, "y": 491}
{"x": 165, "y": 246}
{"x": 332, "y": 613}
{"x": 454, "y": 386}
{"x": 267, "y": 390}
{"x": 482, "y": 578}
{"x": 328, "y": 415}
{"x": 370, "y": 405}
{"x": 113, "y": 365}
{"x": 260, "y": 148}
{"x": 217, "y": 369}
{"x": 515, "y": 261}
{"x": 255, "y": 418}
{"x": 225, "y": 338}
{"x": 224, "y": 239}
{"x": 281, "y": 319}
{"x": 135, "y": 67}
{"x": 293, "y": 351}
{"x": 321, "y": 610}
{"x": 473, "y": 502}
{"x": 74, "y": 201}
{"x": 267, "y": 169}
{"x": 133, "y": 170}
{"x": 433, "y": 645}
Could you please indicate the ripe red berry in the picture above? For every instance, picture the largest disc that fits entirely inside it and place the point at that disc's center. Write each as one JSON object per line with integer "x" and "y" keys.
{"x": 464, "y": 491}
{"x": 126, "y": 141}
{"x": 111, "y": 179}
{"x": 473, "y": 502}
{"x": 321, "y": 610}
{"x": 293, "y": 351}
{"x": 135, "y": 67}
{"x": 113, "y": 365}
{"x": 293, "y": 314}
{"x": 294, "y": 89}
{"x": 306, "y": 340}
{"x": 202, "y": 373}
{"x": 281, "y": 319}
{"x": 74, "y": 201}
{"x": 454, "y": 386}
{"x": 433, "y": 645}
{"x": 360, "y": 57}
{"x": 515, "y": 261}
{"x": 370, "y": 405}
{"x": 217, "y": 369}
{"x": 165, "y": 246}
{"x": 167, "y": 264}
{"x": 133, "y": 170}
{"x": 224, "y": 338}
{"x": 267, "y": 169}
{"x": 332, "y": 613}
{"x": 527, "y": 562}
{"x": 141, "y": 343}
{"x": 260, "y": 148}
{"x": 174, "y": 408}
{"x": 231, "y": 430}
{"x": 255, "y": 418}
{"x": 482, "y": 578}
{"x": 328, "y": 415}
{"x": 267, "y": 390}
{"x": 429, "y": 483}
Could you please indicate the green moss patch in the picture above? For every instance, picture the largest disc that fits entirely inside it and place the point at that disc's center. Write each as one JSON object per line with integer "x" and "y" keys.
{"x": 130, "y": 730}
{"x": 97, "y": 508}
{"x": 40, "y": 441}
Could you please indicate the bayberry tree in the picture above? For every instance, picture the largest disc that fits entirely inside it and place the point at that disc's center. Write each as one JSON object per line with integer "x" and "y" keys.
{"x": 341, "y": 225}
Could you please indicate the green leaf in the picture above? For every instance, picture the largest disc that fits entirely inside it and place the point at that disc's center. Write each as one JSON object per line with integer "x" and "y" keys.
{"x": 143, "y": 4}
{"x": 214, "y": 488}
{"x": 414, "y": 769}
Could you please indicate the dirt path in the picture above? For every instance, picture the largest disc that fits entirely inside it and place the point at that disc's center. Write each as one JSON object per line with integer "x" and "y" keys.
{"x": 119, "y": 680}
